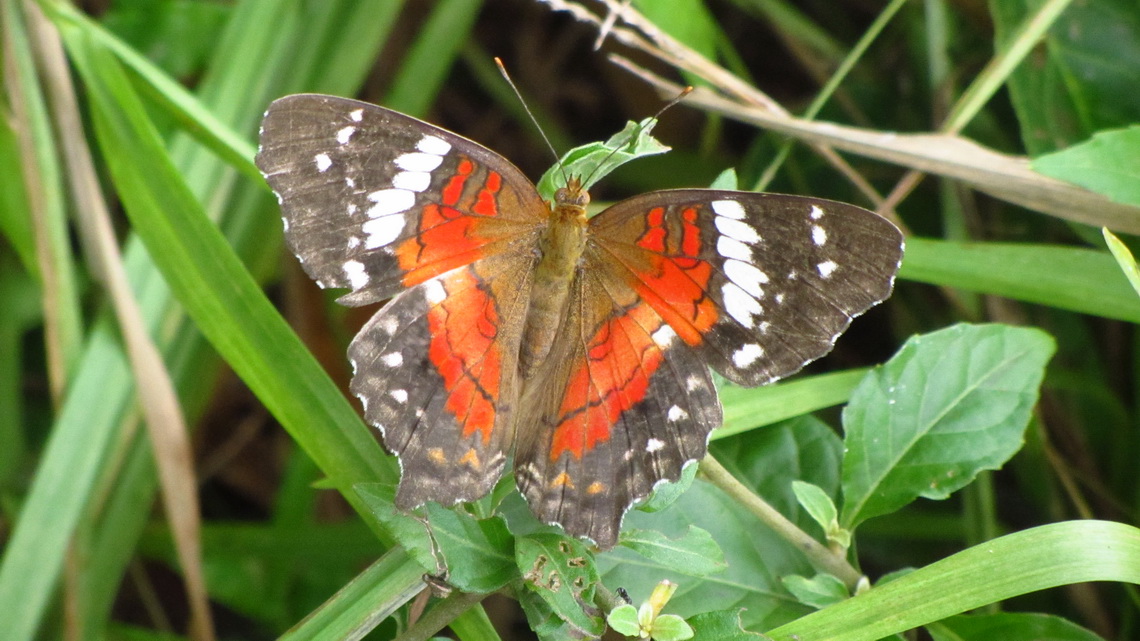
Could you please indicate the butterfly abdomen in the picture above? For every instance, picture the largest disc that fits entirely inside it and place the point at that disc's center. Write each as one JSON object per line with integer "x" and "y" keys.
{"x": 561, "y": 247}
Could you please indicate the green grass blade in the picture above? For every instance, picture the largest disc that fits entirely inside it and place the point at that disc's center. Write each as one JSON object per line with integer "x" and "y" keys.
{"x": 1036, "y": 559}
{"x": 1079, "y": 280}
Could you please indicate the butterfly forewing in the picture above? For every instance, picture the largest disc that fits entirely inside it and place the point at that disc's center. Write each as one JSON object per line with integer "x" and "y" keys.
{"x": 760, "y": 284}
{"x": 377, "y": 201}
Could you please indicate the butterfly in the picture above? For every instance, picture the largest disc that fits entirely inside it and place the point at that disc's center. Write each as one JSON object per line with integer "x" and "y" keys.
{"x": 520, "y": 330}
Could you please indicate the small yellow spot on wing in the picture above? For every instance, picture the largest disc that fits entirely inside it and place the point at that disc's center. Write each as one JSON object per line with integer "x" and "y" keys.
{"x": 561, "y": 480}
{"x": 597, "y": 487}
{"x": 471, "y": 458}
{"x": 437, "y": 456}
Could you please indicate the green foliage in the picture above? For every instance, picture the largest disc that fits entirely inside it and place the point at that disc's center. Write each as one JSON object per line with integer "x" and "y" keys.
{"x": 1010, "y": 403}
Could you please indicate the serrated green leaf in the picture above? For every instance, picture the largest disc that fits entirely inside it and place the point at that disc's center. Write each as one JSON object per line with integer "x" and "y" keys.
{"x": 949, "y": 405}
{"x": 670, "y": 627}
{"x": 1108, "y": 163}
{"x": 1009, "y": 627}
{"x": 594, "y": 161}
{"x": 623, "y": 620}
{"x": 560, "y": 571}
{"x": 664, "y": 494}
{"x": 695, "y": 553}
{"x": 819, "y": 591}
{"x": 721, "y": 625}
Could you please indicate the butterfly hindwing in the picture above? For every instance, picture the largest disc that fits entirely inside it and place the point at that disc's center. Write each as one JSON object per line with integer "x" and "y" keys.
{"x": 436, "y": 369}
{"x": 760, "y": 284}
{"x": 376, "y": 201}
{"x": 619, "y": 405}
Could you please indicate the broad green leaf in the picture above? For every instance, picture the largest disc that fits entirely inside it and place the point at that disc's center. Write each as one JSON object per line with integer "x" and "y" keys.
{"x": 721, "y": 625}
{"x": 1009, "y": 627}
{"x": 819, "y": 591}
{"x": 1081, "y": 79}
{"x": 695, "y": 553}
{"x": 478, "y": 552}
{"x": 594, "y": 161}
{"x": 409, "y": 531}
{"x": 560, "y": 571}
{"x": 1108, "y": 164}
{"x": 756, "y": 558}
{"x": 1015, "y": 564}
{"x": 949, "y": 405}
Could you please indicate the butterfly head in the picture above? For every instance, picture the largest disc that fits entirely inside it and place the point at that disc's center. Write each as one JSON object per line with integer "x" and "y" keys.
{"x": 572, "y": 195}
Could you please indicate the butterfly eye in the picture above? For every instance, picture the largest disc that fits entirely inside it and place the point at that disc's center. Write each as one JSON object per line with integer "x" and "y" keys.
{"x": 570, "y": 196}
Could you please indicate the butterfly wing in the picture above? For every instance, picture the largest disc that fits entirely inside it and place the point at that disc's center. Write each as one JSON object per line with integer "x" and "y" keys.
{"x": 387, "y": 205}
{"x": 759, "y": 284}
{"x": 377, "y": 201}
{"x": 754, "y": 285}
{"x": 620, "y": 403}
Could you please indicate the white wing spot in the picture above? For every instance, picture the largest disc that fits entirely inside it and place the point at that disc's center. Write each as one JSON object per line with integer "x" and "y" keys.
{"x": 323, "y": 162}
{"x": 747, "y": 355}
{"x": 285, "y": 223}
{"x": 732, "y": 248}
{"x": 764, "y": 325}
{"x": 728, "y": 209}
{"x": 389, "y": 324}
{"x": 400, "y": 395}
{"x": 693, "y": 383}
{"x": 818, "y": 236}
{"x": 740, "y": 305}
{"x": 654, "y": 445}
{"x": 433, "y": 145}
{"x": 348, "y": 181}
{"x": 664, "y": 336}
{"x": 827, "y": 268}
{"x": 419, "y": 412}
{"x": 412, "y": 180}
{"x": 676, "y": 413}
{"x": 357, "y": 115}
{"x": 354, "y": 272}
{"x": 382, "y": 231}
{"x": 816, "y": 212}
{"x": 345, "y": 134}
{"x": 390, "y": 201}
{"x": 417, "y": 161}
{"x": 352, "y": 209}
{"x": 393, "y": 359}
{"x": 737, "y": 230}
{"x": 434, "y": 291}
{"x": 747, "y": 276}
{"x": 779, "y": 298}
{"x": 353, "y": 242}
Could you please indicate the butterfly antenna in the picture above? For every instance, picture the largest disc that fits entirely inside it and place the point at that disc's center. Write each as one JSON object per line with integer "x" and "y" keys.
{"x": 681, "y": 96}
{"x": 518, "y": 94}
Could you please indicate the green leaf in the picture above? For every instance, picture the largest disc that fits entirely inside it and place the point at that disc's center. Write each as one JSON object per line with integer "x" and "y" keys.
{"x": 409, "y": 531}
{"x": 949, "y": 405}
{"x": 726, "y": 180}
{"x": 560, "y": 571}
{"x": 695, "y": 553}
{"x": 623, "y": 620}
{"x": 819, "y": 591}
{"x": 1073, "y": 86}
{"x": 721, "y": 625}
{"x": 1009, "y": 627}
{"x": 594, "y": 161}
{"x": 817, "y": 503}
{"x": 670, "y": 627}
{"x": 1108, "y": 164}
{"x": 1123, "y": 257}
{"x": 478, "y": 552}
{"x": 1019, "y": 563}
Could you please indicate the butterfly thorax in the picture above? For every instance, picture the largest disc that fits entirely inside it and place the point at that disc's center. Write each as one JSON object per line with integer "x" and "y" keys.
{"x": 560, "y": 249}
